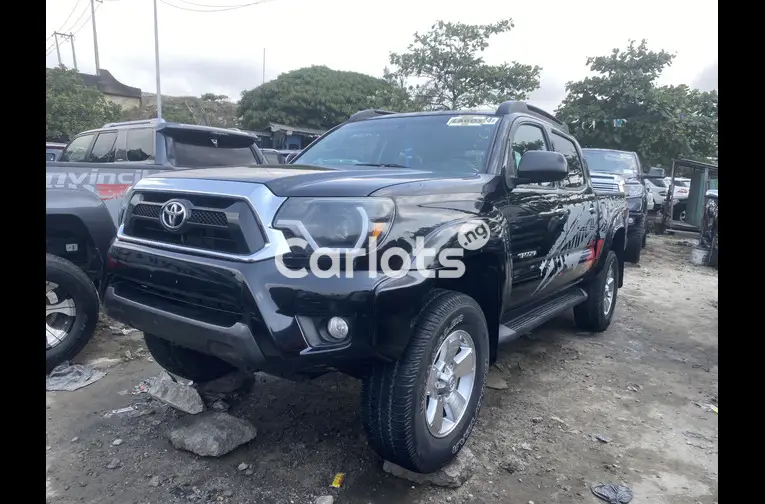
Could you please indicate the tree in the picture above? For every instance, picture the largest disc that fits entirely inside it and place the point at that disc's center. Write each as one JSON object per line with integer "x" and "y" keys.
{"x": 209, "y": 109}
{"x": 72, "y": 107}
{"x": 452, "y": 74}
{"x": 622, "y": 108}
{"x": 313, "y": 97}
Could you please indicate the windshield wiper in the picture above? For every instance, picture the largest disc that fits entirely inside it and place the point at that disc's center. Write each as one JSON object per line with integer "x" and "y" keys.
{"x": 381, "y": 165}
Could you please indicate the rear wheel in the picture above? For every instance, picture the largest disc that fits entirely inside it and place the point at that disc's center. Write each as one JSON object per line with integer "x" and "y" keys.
{"x": 645, "y": 239}
{"x": 634, "y": 247}
{"x": 185, "y": 362}
{"x": 419, "y": 411}
{"x": 71, "y": 310}
{"x": 595, "y": 314}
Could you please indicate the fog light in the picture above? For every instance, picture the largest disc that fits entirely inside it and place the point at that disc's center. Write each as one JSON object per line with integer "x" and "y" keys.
{"x": 630, "y": 220}
{"x": 337, "y": 328}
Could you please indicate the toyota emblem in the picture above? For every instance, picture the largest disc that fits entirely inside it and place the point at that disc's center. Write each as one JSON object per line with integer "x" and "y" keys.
{"x": 173, "y": 215}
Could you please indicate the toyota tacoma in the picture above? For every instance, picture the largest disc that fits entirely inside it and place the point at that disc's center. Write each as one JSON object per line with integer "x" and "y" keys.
{"x": 454, "y": 230}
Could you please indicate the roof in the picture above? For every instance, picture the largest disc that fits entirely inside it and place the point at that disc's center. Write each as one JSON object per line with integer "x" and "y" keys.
{"x": 696, "y": 165}
{"x": 107, "y": 84}
{"x": 160, "y": 124}
{"x": 294, "y": 129}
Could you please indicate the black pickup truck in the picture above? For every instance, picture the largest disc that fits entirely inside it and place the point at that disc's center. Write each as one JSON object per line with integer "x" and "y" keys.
{"x": 84, "y": 190}
{"x": 397, "y": 248}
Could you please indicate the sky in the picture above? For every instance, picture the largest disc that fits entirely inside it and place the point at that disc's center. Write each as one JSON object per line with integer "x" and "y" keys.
{"x": 222, "y": 52}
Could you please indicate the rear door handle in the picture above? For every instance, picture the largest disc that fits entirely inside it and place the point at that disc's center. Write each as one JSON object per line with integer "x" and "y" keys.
{"x": 592, "y": 209}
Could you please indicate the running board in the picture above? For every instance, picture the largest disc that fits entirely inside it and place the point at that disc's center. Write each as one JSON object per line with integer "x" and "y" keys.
{"x": 539, "y": 315}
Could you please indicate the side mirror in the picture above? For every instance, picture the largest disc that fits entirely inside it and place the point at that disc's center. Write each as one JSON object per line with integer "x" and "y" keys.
{"x": 541, "y": 166}
{"x": 290, "y": 157}
{"x": 711, "y": 194}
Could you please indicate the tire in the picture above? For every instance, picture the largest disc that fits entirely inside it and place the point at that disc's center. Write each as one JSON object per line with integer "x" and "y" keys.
{"x": 713, "y": 253}
{"x": 394, "y": 399}
{"x": 591, "y": 315}
{"x": 185, "y": 362}
{"x": 645, "y": 239}
{"x": 68, "y": 291}
{"x": 633, "y": 248}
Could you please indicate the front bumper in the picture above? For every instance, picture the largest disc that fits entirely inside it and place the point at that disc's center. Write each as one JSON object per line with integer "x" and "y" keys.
{"x": 250, "y": 315}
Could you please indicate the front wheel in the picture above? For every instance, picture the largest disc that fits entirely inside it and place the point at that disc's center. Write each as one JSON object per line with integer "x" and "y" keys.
{"x": 71, "y": 310}
{"x": 419, "y": 411}
{"x": 634, "y": 248}
{"x": 595, "y": 314}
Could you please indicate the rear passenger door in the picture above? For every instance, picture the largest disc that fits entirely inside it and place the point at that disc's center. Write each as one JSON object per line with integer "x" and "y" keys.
{"x": 574, "y": 249}
{"x": 531, "y": 212}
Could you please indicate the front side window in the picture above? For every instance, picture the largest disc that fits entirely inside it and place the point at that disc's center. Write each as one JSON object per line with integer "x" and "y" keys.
{"x": 447, "y": 143}
{"x": 528, "y": 137}
{"x": 103, "y": 149}
{"x": 575, "y": 178}
{"x": 76, "y": 150}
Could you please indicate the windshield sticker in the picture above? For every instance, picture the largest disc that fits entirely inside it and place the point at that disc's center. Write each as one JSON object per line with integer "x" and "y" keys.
{"x": 472, "y": 121}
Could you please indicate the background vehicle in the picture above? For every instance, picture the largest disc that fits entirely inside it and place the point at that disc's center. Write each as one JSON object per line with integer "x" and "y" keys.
{"x": 620, "y": 170}
{"x": 53, "y": 150}
{"x": 83, "y": 194}
{"x": 275, "y": 156}
{"x": 508, "y": 190}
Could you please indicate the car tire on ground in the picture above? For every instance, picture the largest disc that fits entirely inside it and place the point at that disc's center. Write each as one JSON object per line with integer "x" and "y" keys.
{"x": 645, "y": 239}
{"x": 633, "y": 248}
{"x": 71, "y": 310}
{"x": 185, "y": 362}
{"x": 419, "y": 411}
{"x": 594, "y": 315}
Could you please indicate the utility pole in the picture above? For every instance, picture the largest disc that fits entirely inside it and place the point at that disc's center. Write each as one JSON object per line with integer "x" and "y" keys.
{"x": 58, "y": 51}
{"x": 70, "y": 36}
{"x": 74, "y": 56}
{"x": 264, "y": 66}
{"x": 156, "y": 61}
{"x": 95, "y": 34}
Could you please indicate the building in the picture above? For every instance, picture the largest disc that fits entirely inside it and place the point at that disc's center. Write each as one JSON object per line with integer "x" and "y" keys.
{"x": 114, "y": 91}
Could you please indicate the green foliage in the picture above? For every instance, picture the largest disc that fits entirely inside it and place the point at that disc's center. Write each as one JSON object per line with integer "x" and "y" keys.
{"x": 662, "y": 122}
{"x": 452, "y": 74}
{"x": 72, "y": 107}
{"x": 313, "y": 97}
{"x": 209, "y": 109}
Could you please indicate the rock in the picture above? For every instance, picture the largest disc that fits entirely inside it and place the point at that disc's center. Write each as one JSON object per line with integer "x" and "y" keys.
{"x": 74, "y": 439}
{"x": 526, "y": 446}
{"x": 249, "y": 472}
{"x": 117, "y": 442}
{"x": 220, "y": 405}
{"x": 155, "y": 481}
{"x": 113, "y": 464}
{"x": 243, "y": 466}
{"x": 602, "y": 438}
{"x": 452, "y": 475}
{"x": 179, "y": 396}
{"x": 211, "y": 434}
{"x": 513, "y": 464}
{"x": 537, "y": 419}
{"x": 495, "y": 381}
{"x": 324, "y": 499}
{"x": 559, "y": 421}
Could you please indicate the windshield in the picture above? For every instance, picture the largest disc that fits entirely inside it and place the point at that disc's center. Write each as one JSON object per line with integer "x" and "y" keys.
{"x": 201, "y": 149}
{"x": 622, "y": 163}
{"x": 428, "y": 142}
{"x": 657, "y": 182}
{"x": 682, "y": 183}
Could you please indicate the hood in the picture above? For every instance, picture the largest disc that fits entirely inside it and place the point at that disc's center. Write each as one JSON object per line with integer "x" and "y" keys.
{"x": 306, "y": 180}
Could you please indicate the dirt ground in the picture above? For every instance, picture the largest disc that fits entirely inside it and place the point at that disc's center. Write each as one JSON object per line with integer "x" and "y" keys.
{"x": 642, "y": 385}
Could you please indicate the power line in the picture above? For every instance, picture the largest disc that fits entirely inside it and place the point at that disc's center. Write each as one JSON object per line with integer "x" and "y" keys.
{"x": 61, "y": 29}
{"x": 214, "y": 8}
{"x": 86, "y": 21}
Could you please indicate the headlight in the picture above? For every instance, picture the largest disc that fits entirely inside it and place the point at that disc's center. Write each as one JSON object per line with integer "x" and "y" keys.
{"x": 336, "y": 223}
{"x": 634, "y": 190}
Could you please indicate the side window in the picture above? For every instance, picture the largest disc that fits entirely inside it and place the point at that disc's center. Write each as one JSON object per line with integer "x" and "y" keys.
{"x": 575, "y": 178}
{"x": 140, "y": 144}
{"x": 76, "y": 150}
{"x": 103, "y": 149}
{"x": 528, "y": 137}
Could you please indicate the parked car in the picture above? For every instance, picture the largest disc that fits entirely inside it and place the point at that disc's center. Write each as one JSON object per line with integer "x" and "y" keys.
{"x": 680, "y": 192}
{"x": 506, "y": 192}
{"x": 657, "y": 188}
{"x": 53, "y": 150}
{"x": 614, "y": 170}
{"x": 83, "y": 195}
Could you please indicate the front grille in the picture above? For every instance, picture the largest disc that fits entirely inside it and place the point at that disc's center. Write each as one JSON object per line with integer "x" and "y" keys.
{"x": 605, "y": 186}
{"x": 215, "y": 223}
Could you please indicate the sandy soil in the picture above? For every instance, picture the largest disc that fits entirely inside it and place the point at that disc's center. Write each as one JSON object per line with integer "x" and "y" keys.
{"x": 642, "y": 384}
